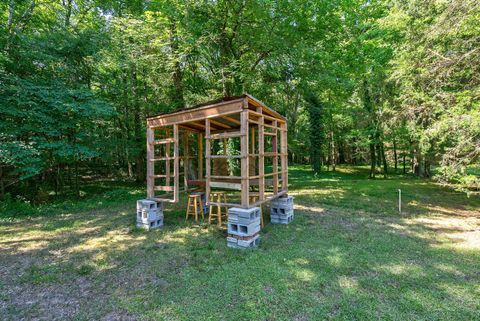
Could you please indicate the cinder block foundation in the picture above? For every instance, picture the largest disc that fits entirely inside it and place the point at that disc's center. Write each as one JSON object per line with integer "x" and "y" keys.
{"x": 243, "y": 227}
{"x": 149, "y": 214}
{"x": 281, "y": 210}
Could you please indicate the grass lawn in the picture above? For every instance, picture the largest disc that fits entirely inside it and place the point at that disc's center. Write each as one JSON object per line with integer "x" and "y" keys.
{"x": 348, "y": 255}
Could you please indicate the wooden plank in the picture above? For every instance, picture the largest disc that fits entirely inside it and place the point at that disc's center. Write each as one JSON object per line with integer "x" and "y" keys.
{"x": 163, "y": 141}
{"x": 225, "y": 177}
{"x": 226, "y": 185}
{"x": 284, "y": 155}
{"x": 226, "y": 156}
{"x": 167, "y": 164}
{"x": 185, "y": 161}
{"x": 244, "y": 160}
{"x": 176, "y": 178}
{"x": 257, "y": 103}
{"x": 156, "y": 159}
{"x": 207, "y": 161}
{"x": 164, "y": 188}
{"x": 197, "y": 114}
{"x": 275, "y": 162}
{"x": 232, "y": 120}
{"x": 261, "y": 160}
{"x": 219, "y": 124}
{"x": 200, "y": 155}
{"x": 150, "y": 164}
{"x": 224, "y": 135}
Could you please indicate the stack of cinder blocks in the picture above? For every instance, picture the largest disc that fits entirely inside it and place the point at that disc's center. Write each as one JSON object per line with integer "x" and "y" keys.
{"x": 149, "y": 214}
{"x": 281, "y": 210}
{"x": 243, "y": 227}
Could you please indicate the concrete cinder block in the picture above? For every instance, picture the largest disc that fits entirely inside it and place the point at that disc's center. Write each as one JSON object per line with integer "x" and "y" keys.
{"x": 148, "y": 205}
{"x": 150, "y": 225}
{"x": 232, "y": 242}
{"x": 244, "y": 216}
{"x": 281, "y": 219}
{"x": 243, "y": 229}
{"x": 283, "y": 201}
{"x": 148, "y": 215}
{"x": 281, "y": 211}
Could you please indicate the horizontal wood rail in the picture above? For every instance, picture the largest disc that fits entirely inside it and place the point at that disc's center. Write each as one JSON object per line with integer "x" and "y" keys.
{"x": 225, "y": 156}
{"x": 161, "y": 159}
{"x": 225, "y": 177}
{"x": 163, "y": 141}
{"x": 164, "y": 188}
{"x": 224, "y": 135}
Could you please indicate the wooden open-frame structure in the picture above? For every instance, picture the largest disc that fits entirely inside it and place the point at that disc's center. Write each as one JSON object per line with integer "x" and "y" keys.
{"x": 242, "y": 123}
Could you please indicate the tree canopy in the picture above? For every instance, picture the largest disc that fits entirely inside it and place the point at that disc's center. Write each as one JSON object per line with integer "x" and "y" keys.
{"x": 389, "y": 84}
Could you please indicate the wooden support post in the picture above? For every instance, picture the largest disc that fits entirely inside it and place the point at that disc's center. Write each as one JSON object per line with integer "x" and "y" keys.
{"x": 150, "y": 163}
{"x": 261, "y": 160}
{"x": 167, "y": 164}
{"x": 252, "y": 150}
{"x": 207, "y": 161}
{"x": 200, "y": 155}
{"x": 284, "y": 155}
{"x": 244, "y": 160}
{"x": 275, "y": 160}
{"x": 176, "y": 172}
{"x": 185, "y": 160}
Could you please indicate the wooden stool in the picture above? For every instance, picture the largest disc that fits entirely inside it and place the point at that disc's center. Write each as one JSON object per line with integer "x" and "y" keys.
{"x": 193, "y": 206}
{"x": 253, "y": 199}
{"x": 218, "y": 215}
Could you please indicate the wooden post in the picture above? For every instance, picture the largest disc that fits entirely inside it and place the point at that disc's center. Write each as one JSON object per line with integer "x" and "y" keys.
{"x": 207, "y": 161}
{"x": 176, "y": 185}
{"x": 200, "y": 155}
{"x": 261, "y": 159}
{"x": 167, "y": 164}
{"x": 185, "y": 160}
{"x": 244, "y": 158}
{"x": 284, "y": 155}
{"x": 150, "y": 163}
{"x": 275, "y": 159}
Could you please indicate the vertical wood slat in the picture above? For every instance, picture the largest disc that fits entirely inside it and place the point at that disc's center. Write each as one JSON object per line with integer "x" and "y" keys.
{"x": 244, "y": 158}
{"x": 284, "y": 156}
{"x": 275, "y": 160}
{"x": 200, "y": 155}
{"x": 185, "y": 160}
{"x": 207, "y": 161}
{"x": 176, "y": 185}
{"x": 261, "y": 159}
{"x": 167, "y": 164}
{"x": 150, "y": 163}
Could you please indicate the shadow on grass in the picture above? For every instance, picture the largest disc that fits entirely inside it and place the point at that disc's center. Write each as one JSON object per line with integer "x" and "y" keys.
{"x": 346, "y": 256}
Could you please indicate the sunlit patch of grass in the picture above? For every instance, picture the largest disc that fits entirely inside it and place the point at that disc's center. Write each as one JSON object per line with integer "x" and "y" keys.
{"x": 348, "y": 254}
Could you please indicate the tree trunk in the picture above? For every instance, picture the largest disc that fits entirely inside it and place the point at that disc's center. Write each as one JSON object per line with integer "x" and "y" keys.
{"x": 384, "y": 160}
{"x": 404, "y": 164}
{"x": 395, "y": 153}
{"x": 178, "y": 99}
{"x": 372, "y": 160}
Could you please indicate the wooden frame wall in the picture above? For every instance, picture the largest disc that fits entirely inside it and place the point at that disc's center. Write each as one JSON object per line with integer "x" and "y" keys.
{"x": 245, "y": 118}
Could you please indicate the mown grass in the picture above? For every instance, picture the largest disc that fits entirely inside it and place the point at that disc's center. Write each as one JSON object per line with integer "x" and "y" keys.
{"x": 348, "y": 255}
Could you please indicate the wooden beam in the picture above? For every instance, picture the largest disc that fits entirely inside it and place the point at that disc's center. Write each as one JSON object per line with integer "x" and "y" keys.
{"x": 150, "y": 164}
{"x": 284, "y": 155}
{"x": 232, "y": 120}
{"x": 197, "y": 114}
{"x": 185, "y": 161}
{"x": 176, "y": 172}
{"x": 219, "y": 124}
{"x": 224, "y": 135}
{"x": 275, "y": 162}
{"x": 261, "y": 160}
{"x": 207, "y": 161}
{"x": 244, "y": 160}
{"x": 200, "y": 155}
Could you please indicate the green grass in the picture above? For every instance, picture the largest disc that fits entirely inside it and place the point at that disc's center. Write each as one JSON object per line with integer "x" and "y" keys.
{"x": 348, "y": 255}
